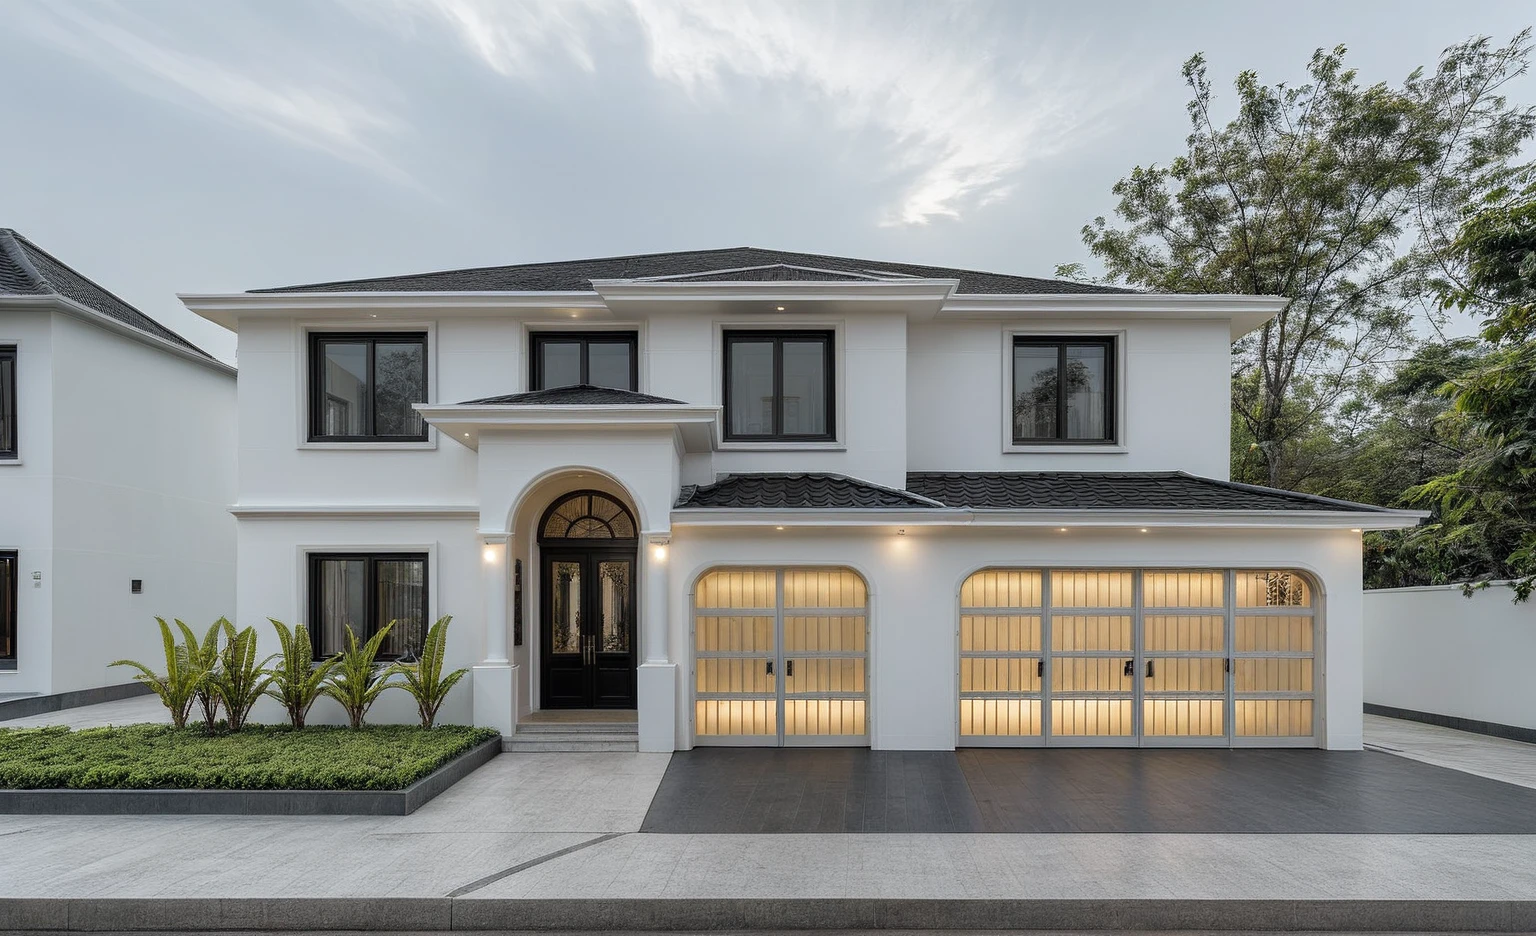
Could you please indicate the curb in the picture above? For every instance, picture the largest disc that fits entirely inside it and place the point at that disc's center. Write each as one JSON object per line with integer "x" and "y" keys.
{"x": 440, "y": 914}
{"x": 55, "y": 802}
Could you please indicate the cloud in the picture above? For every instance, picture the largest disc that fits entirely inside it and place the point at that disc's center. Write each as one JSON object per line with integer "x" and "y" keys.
{"x": 963, "y": 105}
{"x": 302, "y": 102}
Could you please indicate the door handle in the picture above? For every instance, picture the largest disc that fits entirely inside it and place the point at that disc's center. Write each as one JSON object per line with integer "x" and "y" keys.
{"x": 1149, "y": 669}
{"x": 1130, "y": 668}
{"x": 769, "y": 670}
{"x": 789, "y": 668}
{"x": 1040, "y": 668}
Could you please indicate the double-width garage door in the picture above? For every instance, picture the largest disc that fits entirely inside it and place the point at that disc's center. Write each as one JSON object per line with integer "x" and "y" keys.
{"x": 1125, "y": 657}
{"x": 781, "y": 656}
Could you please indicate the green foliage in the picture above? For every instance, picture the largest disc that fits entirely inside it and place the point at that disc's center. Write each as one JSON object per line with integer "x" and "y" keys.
{"x": 262, "y": 757}
{"x": 240, "y": 679}
{"x": 183, "y": 675}
{"x": 358, "y": 680}
{"x": 204, "y": 655}
{"x": 1333, "y": 195}
{"x": 425, "y": 680}
{"x": 297, "y": 680}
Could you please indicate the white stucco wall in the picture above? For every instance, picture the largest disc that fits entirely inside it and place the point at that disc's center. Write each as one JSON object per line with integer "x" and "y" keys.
{"x": 26, "y": 495}
{"x": 1435, "y": 650}
{"x": 1173, "y": 397}
{"x": 144, "y": 473}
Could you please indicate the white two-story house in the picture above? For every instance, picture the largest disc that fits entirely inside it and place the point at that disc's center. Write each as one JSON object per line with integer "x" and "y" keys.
{"x": 769, "y": 498}
{"x": 117, "y": 463}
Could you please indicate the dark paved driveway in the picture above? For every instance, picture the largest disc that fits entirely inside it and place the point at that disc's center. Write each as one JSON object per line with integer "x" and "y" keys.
{"x": 985, "y": 790}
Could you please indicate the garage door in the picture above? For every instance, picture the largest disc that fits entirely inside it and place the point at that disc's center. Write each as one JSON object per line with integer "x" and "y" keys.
{"x": 781, "y": 657}
{"x": 1203, "y": 657}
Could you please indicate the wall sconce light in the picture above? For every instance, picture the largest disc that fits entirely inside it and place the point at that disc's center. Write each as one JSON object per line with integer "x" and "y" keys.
{"x": 659, "y": 547}
{"x": 489, "y": 554}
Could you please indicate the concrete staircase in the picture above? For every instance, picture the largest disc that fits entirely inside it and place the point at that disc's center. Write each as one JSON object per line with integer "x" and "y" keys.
{"x": 594, "y": 732}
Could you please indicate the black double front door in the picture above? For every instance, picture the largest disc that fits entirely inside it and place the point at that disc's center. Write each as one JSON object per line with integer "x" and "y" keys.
{"x": 588, "y": 648}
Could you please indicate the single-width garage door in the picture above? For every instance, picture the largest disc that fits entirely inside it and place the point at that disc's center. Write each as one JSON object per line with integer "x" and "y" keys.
{"x": 781, "y": 657}
{"x": 1204, "y": 657}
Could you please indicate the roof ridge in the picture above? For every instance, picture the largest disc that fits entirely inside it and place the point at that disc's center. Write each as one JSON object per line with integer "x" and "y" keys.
{"x": 9, "y": 238}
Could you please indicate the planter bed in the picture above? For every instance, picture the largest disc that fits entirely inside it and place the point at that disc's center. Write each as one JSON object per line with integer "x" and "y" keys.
{"x": 261, "y": 770}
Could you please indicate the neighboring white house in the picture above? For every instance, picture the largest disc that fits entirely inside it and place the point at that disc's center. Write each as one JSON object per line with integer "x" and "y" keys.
{"x": 776, "y": 498}
{"x": 117, "y": 467}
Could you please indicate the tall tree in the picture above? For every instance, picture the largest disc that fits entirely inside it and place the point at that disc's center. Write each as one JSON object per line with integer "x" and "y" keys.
{"x": 1340, "y": 197}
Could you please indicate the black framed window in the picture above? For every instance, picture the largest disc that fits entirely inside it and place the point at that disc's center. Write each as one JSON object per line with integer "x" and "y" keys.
{"x": 779, "y": 385}
{"x": 362, "y": 386}
{"x": 8, "y": 626}
{"x": 1063, "y": 390}
{"x": 365, "y": 591}
{"x": 8, "y": 446}
{"x": 601, "y": 359}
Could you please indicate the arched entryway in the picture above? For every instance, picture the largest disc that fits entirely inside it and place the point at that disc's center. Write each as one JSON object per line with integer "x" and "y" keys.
{"x": 587, "y": 548}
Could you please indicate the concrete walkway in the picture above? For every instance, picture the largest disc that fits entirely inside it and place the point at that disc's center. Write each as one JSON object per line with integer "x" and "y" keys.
{"x": 549, "y": 831}
{"x": 1495, "y": 758}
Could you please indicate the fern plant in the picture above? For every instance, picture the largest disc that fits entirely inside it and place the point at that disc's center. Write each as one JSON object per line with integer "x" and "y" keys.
{"x": 297, "y": 680}
{"x": 204, "y": 654}
{"x": 424, "y": 679}
{"x": 183, "y": 675}
{"x": 241, "y": 679}
{"x": 357, "y": 680}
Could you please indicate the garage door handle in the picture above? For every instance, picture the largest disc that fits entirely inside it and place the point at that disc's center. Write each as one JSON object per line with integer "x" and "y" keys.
{"x": 769, "y": 670}
{"x": 1149, "y": 669}
{"x": 1040, "y": 668}
{"x": 1130, "y": 667}
{"x": 789, "y": 667}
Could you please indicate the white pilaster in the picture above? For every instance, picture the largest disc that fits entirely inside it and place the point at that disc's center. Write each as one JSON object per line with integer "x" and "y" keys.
{"x": 493, "y": 679}
{"x": 656, "y": 678}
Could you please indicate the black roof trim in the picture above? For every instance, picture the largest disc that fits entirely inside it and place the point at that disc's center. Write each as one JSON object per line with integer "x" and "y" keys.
{"x": 575, "y": 395}
{"x": 1083, "y": 490}
{"x": 28, "y": 270}
{"x": 798, "y": 491}
{"x": 577, "y": 275}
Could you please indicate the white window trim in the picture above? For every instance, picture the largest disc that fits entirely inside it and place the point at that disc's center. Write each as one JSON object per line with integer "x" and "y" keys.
{"x": 1122, "y": 341}
{"x": 839, "y": 440}
{"x": 529, "y": 329}
{"x": 302, "y": 331}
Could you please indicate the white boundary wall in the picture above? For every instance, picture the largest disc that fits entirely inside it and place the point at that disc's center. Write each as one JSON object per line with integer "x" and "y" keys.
{"x": 1433, "y": 650}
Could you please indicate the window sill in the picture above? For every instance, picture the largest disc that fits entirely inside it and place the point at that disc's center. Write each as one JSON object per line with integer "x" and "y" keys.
{"x": 773, "y": 445}
{"x": 424, "y": 446}
{"x": 1101, "y": 448}
{"x": 5, "y": 461}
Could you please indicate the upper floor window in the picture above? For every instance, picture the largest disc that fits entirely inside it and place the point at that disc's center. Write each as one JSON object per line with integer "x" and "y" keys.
{"x": 600, "y": 359}
{"x": 8, "y": 402}
{"x": 362, "y": 386}
{"x": 778, "y": 385}
{"x": 364, "y": 592}
{"x": 1063, "y": 390}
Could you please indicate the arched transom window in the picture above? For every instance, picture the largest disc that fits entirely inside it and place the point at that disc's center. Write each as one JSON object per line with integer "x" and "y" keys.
{"x": 587, "y": 515}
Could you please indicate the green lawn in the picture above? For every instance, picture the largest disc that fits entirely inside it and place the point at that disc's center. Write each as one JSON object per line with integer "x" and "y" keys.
{"x": 259, "y": 757}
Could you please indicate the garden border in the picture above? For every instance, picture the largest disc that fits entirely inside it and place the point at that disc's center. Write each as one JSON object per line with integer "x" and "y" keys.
{"x": 164, "y": 802}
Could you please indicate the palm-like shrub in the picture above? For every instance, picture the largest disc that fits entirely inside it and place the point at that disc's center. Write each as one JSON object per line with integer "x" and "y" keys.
{"x": 425, "y": 680}
{"x": 204, "y": 655}
{"x": 183, "y": 675}
{"x": 358, "y": 680}
{"x": 296, "y": 680}
{"x": 241, "y": 678}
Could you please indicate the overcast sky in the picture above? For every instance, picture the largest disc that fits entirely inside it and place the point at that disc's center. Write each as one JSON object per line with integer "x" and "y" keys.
{"x": 165, "y": 146}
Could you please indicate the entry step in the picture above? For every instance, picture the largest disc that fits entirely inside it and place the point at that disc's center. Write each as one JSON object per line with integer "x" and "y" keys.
{"x": 539, "y": 736}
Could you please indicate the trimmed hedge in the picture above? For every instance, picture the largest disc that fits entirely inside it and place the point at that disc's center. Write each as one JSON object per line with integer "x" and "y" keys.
{"x": 258, "y": 757}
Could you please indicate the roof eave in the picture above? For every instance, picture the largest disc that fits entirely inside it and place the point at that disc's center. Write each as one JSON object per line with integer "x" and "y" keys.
{"x": 227, "y": 309}
{"x": 1045, "y": 519}
{"x": 696, "y": 426}
{"x": 70, "y": 307}
{"x": 1245, "y": 313}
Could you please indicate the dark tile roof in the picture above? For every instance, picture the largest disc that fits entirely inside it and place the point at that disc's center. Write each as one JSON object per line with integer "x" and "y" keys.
{"x": 577, "y": 275}
{"x": 775, "y": 491}
{"x": 28, "y": 270}
{"x": 1073, "y": 490}
{"x": 578, "y": 395}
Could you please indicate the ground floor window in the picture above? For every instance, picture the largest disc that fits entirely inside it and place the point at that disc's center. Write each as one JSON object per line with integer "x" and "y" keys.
{"x": 781, "y": 657}
{"x": 365, "y": 591}
{"x": 8, "y": 625}
{"x": 1182, "y": 657}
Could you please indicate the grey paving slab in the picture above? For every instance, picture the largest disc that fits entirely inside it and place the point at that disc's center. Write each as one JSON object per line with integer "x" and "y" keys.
{"x": 122, "y": 712}
{"x": 714, "y": 790}
{"x": 1495, "y": 758}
